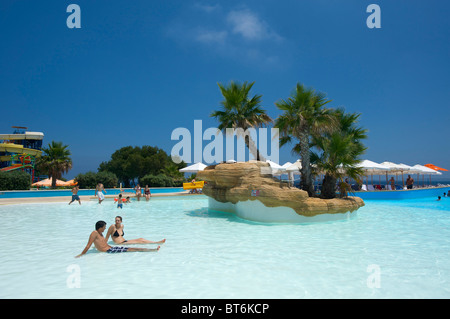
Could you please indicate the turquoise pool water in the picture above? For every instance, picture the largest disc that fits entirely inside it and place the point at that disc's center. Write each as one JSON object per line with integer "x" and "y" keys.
{"x": 389, "y": 249}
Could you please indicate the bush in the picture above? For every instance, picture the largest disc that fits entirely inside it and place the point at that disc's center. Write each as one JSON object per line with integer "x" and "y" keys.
{"x": 108, "y": 179}
{"x": 178, "y": 182}
{"x": 160, "y": 180}
{"x": 16, "y": 180}
{"x": 87, "y": 180}
{"x": 91, "y": 179}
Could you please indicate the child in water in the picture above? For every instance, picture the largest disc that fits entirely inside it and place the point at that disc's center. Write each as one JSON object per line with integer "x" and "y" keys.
{"x": 119, "y": 202}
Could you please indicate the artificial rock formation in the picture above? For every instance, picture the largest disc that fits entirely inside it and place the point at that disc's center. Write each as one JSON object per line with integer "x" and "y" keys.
{"x": 242, "y": 181}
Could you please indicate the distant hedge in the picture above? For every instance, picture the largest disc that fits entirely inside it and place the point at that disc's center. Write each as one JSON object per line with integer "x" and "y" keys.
{"x": 91, "y": 179}
{"x": 16, "y": 180}
{"x": 159, "y": 180}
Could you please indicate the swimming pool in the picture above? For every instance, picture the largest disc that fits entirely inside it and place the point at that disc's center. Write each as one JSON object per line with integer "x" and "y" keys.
{"x": 81, "y": 192}
{"x": 389, "y": 249}
{"x": 404, "y": 194}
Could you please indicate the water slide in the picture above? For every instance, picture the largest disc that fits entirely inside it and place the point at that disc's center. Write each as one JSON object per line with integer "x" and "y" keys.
{"x": 17, "y": 148}
{"x": 15, "y": 166}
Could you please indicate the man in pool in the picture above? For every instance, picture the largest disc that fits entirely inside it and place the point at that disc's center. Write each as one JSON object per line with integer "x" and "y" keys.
{"x": 75, "y": 195}
{"x": 100, "y": 243}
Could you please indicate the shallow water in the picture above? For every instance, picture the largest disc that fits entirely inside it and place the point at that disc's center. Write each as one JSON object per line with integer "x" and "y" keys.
{"x": 389, "y": 249}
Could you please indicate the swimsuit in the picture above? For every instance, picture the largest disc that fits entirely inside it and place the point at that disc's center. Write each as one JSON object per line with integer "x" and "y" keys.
{"x": 116, "y": 234}
{"x": 100, "y": 195}
{"x": 75, "y": 197}
{"x": 116, "y": 249}
{"x": 119, "y": 205}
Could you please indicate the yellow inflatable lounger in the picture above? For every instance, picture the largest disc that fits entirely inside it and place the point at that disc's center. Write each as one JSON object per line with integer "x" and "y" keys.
{"x": 193, "y": 185}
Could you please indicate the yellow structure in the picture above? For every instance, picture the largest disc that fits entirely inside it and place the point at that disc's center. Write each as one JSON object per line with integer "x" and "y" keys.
{"x": 20, "y": 149}
{"x": 193, "y": 185}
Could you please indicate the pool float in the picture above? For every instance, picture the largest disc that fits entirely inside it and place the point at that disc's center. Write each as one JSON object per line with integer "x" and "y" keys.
{"x": 193, "y": 185}
{"x": 123, "y": 200}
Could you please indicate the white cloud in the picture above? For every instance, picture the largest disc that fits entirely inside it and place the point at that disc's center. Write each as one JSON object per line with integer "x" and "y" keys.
{"x": 210, "y": 36}
{"x": 250, "y": 26}
{"x": 238, "y": 33}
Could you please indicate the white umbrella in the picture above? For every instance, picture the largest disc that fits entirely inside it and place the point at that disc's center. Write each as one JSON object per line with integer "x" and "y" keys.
{"x": 276, "y": 168}
{"x": 397, "y": 169}
{"x": 194, "y": 168}
{"x": 286, "y": 165}
{"x": 280, "y": 169}
{"x": 420, "y": 169}
{"x": 406, "y": 167}
{"x": 372, "y": 168}
{"x": 295, "y": 168}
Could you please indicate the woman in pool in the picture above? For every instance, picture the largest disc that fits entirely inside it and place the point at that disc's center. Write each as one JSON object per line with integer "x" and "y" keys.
{"x": 116, "y": 232}
{"x": 138, "y": 192}
{"x": 147, "y": 192}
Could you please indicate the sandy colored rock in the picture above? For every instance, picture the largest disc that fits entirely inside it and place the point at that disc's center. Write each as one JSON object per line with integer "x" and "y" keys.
{"x": 252, "y": 181}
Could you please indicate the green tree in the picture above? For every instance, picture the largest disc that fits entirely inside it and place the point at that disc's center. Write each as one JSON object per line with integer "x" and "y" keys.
{"x": 159, "y": 180}
{"x": 87, "y": 180}
{"x": 173, "y": 172}
{"x": 15, "y": 180}
{"x": 130, "y": 164}
{"x": 55, "y": 160}
{"x": 91, "y": 179}
{"x": 338, "y": 153}
{"x": 241, "y": 112}
{"x": 303, "y": 115}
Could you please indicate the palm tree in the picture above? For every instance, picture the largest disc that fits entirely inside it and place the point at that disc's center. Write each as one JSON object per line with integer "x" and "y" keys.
{"x": 339, "y": 153}
{"x": 241, "y": 112}
{"x": 173, "y": 171}
{"x": 303, "y": 115}
{"x": 55, "y": 160}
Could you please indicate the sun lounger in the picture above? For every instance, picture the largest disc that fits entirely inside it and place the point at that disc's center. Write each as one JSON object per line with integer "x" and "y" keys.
{"x": 370, "y": 188}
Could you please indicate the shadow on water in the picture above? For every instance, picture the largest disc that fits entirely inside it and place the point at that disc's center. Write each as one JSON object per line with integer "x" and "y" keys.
{"x": 205, "y": 212}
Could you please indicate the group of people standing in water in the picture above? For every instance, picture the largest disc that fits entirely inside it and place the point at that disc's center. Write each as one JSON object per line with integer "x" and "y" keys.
{"x": 100, "y": 193}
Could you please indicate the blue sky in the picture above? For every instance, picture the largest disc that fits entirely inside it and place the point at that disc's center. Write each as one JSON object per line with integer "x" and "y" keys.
{"x": 136, "y": 70}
